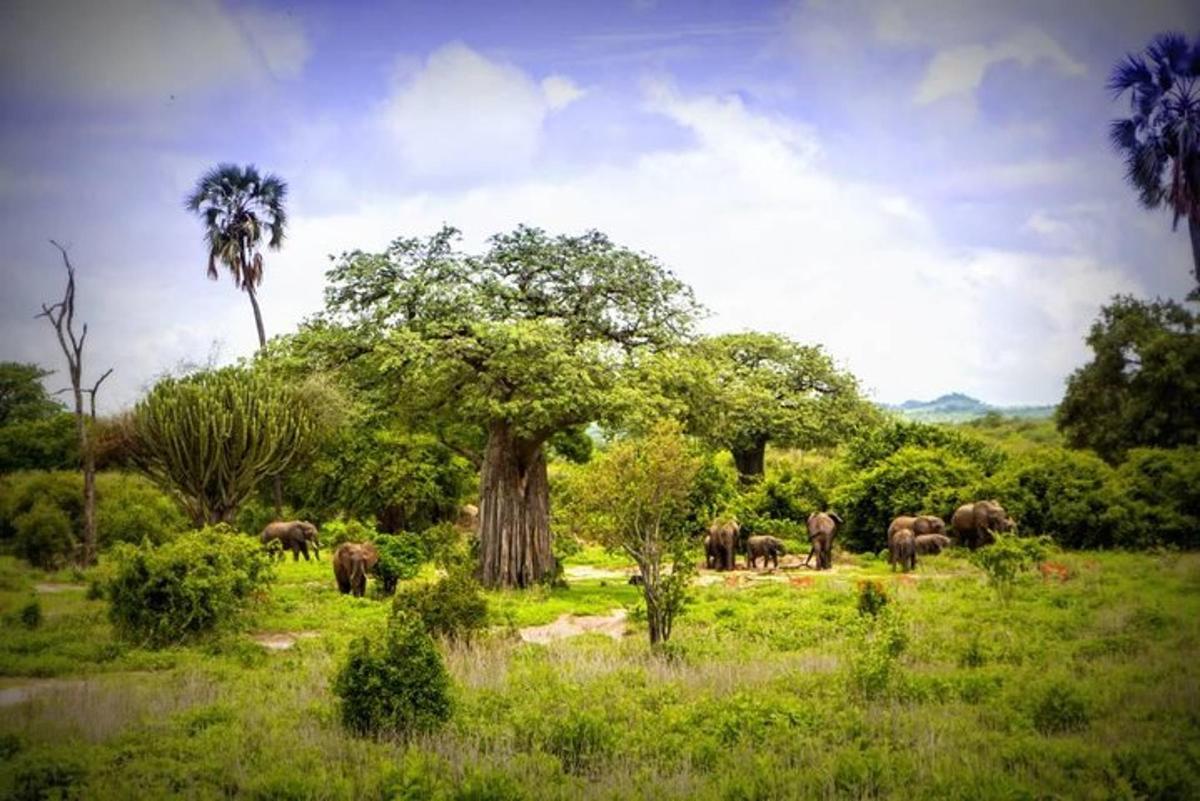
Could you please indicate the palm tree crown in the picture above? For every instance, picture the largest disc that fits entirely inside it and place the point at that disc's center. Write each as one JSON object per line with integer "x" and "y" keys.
{"x": 236, "y": 204}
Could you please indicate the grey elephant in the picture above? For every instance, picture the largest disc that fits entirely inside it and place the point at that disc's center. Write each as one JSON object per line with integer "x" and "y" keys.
{"x": 822, "y": 528}
{"x": 764, "y": 547}
{"x": 903, "y": 550}
{"x": 294, "y": 536}
{"x": 720, "y": 546}
{"x": 931, "y": 543}
{"x": 974, "y": 523}
{"x": 351, "y": 563}
{"x": 920, "y": 525}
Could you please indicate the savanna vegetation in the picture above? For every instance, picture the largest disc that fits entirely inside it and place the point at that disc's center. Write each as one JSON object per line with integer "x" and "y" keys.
{"x": 481, "y": 528}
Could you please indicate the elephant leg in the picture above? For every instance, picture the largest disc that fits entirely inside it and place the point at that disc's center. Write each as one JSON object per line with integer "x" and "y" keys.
{"x": 304, "y": 550}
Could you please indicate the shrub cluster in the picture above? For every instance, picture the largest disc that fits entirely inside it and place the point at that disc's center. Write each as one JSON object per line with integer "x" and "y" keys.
{"x": 452, "y": 607}
{"x": 396, "y": 687}
{"x": 187, "y": 587}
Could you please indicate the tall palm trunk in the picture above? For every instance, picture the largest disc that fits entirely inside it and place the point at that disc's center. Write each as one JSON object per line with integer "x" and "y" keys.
{"x": 514, "y": 511}
{"x": 1194, "y": 230}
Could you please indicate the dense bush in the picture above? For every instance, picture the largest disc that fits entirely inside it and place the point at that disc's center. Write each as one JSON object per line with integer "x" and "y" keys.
{"x": 335, "y": 532}
{"x": 1008, "y": 557}
{"x": 44, "y": 535}
{"x": 787, "y": 495}
{"x": 453, "y": 606}
{"x": 1161, "y": 489}
{"x": 128, "y": 509}
{"x": 878, "y": 443}
{"x": 911, "y": 480}
{"x": 400, "y": 558}
{"x": 190, "y": 586}
{"x": 397, "y": 687}
{"x": 43, "y": 444}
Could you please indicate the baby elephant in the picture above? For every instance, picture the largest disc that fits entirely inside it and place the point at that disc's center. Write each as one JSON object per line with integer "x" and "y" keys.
{"x": 903, "y": 550}
{"x": 931, "y": 543}
{"x": 351, "y": 563}
{"x": 292, "y": 535}
{"x": 765, "y": 548}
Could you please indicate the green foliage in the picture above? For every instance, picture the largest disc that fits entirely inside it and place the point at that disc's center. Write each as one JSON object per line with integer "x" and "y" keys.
{"x": 397, "y": 687}
{"x": 877, "y": 443}
{"x": 212, "y": 437}
{"x": 400, "y": 559}
{"x": 1060, "y": 707}
{"x": 1008, "y": 557}
{"x": 1160, "y": 494}
{"x": 879, "y": 640}
{"x": 872, "y": 598}
{"x": 452, "y": 607}
{"x": 128, "y": 509}
{"x": 44, "y": 535}
{"x": 335, "y": 532}
{"x": 913, "y": 479}
{"x": 1142, "y": 387}
{"x": 42, "y": 775}
{"x": 46, "y": 443}
{"x": 633, "y": 498}
{"x": 31, "y": 614}
{"x": 788, "y": 494}
{"x": 22, "y": 395}
{"x": 188, "y": 587}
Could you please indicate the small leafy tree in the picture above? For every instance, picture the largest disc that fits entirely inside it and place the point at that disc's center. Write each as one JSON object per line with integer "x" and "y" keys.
{"x": 185, "y": 588}
{"x": 397, "y": 687}
{"x": 210, "y": 438}
{"x": 634, "y": 500}
{"x": 451, "y": 607}
{"x": 1008, "y": 557}
{"x": 400, "y": 558}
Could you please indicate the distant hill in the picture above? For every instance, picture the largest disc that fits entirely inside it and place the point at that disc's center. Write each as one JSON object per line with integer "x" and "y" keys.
{"x": 959, "y": 408}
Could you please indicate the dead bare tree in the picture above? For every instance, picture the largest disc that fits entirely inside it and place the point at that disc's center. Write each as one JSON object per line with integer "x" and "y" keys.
{"x": 62, "y": 316}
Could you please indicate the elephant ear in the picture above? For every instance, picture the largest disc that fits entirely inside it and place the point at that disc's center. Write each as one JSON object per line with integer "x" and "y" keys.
{"x": 370, "y": 555}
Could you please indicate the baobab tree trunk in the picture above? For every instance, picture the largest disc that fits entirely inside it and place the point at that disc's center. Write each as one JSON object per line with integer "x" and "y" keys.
{"x": 750, "y": 461}
{"x": 514, "y": 511}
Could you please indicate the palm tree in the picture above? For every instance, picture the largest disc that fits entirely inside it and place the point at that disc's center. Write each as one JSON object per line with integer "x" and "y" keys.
{"x": 1161, "y": 140}
{"x": 236, "y": 204}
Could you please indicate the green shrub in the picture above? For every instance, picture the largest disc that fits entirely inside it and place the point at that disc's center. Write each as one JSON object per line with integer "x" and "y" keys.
{"x": 46, "y": 444}
{"x": 1008, "y": 557}
{"x": 193, "y": 585}
{"x": 400, "y": 558}
{"x": 31, "y": 614}
{"x": 1156, "y": 773}
{"x": 335, "y": 532}
{"x": 877, "y": 444}
{"x": 19, "y": 492}
{"x": 580, "y": 739}
{"x": 43, "y": 774}
{"x": 442, "y": 539}
{"x": 397, "y": 687}
{"x": 878, "y": 644}
{"x": 872, "y": 597}
{"x": 1060, "y": 708}
{"x": 1161, "y": 489}
{"x": 44, "y": 536}
{"x": 129, "y": 508}
{"x": 453, "y": 606}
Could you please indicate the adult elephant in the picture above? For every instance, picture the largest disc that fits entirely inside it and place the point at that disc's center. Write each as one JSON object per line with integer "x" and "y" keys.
{"x": 720, "y": 545}
{"x": 822, "y": 528}
{"x": 764, "y": 547}
{"x": 974, "y": 523}
{"x": 903, "y": 550}
{"x": 351, "y": 563}
{"x": 920, "y": 525}
{"x": 294, "y": 536}
{"x": 931, "y": 543}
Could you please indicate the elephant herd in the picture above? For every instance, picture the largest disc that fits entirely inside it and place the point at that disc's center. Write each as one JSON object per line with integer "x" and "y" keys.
{"x": 352, "y": 561}
{"x": 972, "y": 525}
{"x": 723, "y": 537}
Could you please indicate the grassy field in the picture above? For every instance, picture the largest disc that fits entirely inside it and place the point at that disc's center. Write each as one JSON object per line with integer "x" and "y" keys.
{"x": 775, "y": 686}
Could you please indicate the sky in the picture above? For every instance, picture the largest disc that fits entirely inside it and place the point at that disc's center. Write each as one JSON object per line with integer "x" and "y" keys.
{"x": 924, "y": 188}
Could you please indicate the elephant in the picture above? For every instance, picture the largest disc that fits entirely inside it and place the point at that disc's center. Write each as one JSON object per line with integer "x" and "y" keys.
{"x": 765, "y": 547}
{"x": 468, "y": 517}
{"x": 903, "y": 550}
{"x": 720, "y": 546}
{"x": 351, "y": 563}
{"x": 822, "y": 527}
{"x": 920, "y": 525}
{"x": 294, "y": 536}
{"x": 974, "y": 523}
{"x": 637, "y": 580}
{"x": 931, "y": 543}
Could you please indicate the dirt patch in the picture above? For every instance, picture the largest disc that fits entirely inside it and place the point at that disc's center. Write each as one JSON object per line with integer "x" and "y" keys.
{"x": 569, "y": 625}
{"x": 584, "y": 572}
{"x": 23, "y": 693}
{"x": 51, "y": 587}
{"x": 282, "y": 640}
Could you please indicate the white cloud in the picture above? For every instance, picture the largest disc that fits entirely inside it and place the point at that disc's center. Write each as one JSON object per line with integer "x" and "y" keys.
{"x": 959, "y": 70}
{"x": 463, "y": 114}
{"x": 770, "y": 240}
{"x": 131, "y": 50}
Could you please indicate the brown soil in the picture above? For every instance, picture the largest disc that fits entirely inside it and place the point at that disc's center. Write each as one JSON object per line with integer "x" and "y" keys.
{"x": 568, "y": 625}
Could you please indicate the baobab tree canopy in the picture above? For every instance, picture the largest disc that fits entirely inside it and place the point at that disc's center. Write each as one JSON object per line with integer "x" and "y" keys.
{"x": 518, "y": 343}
